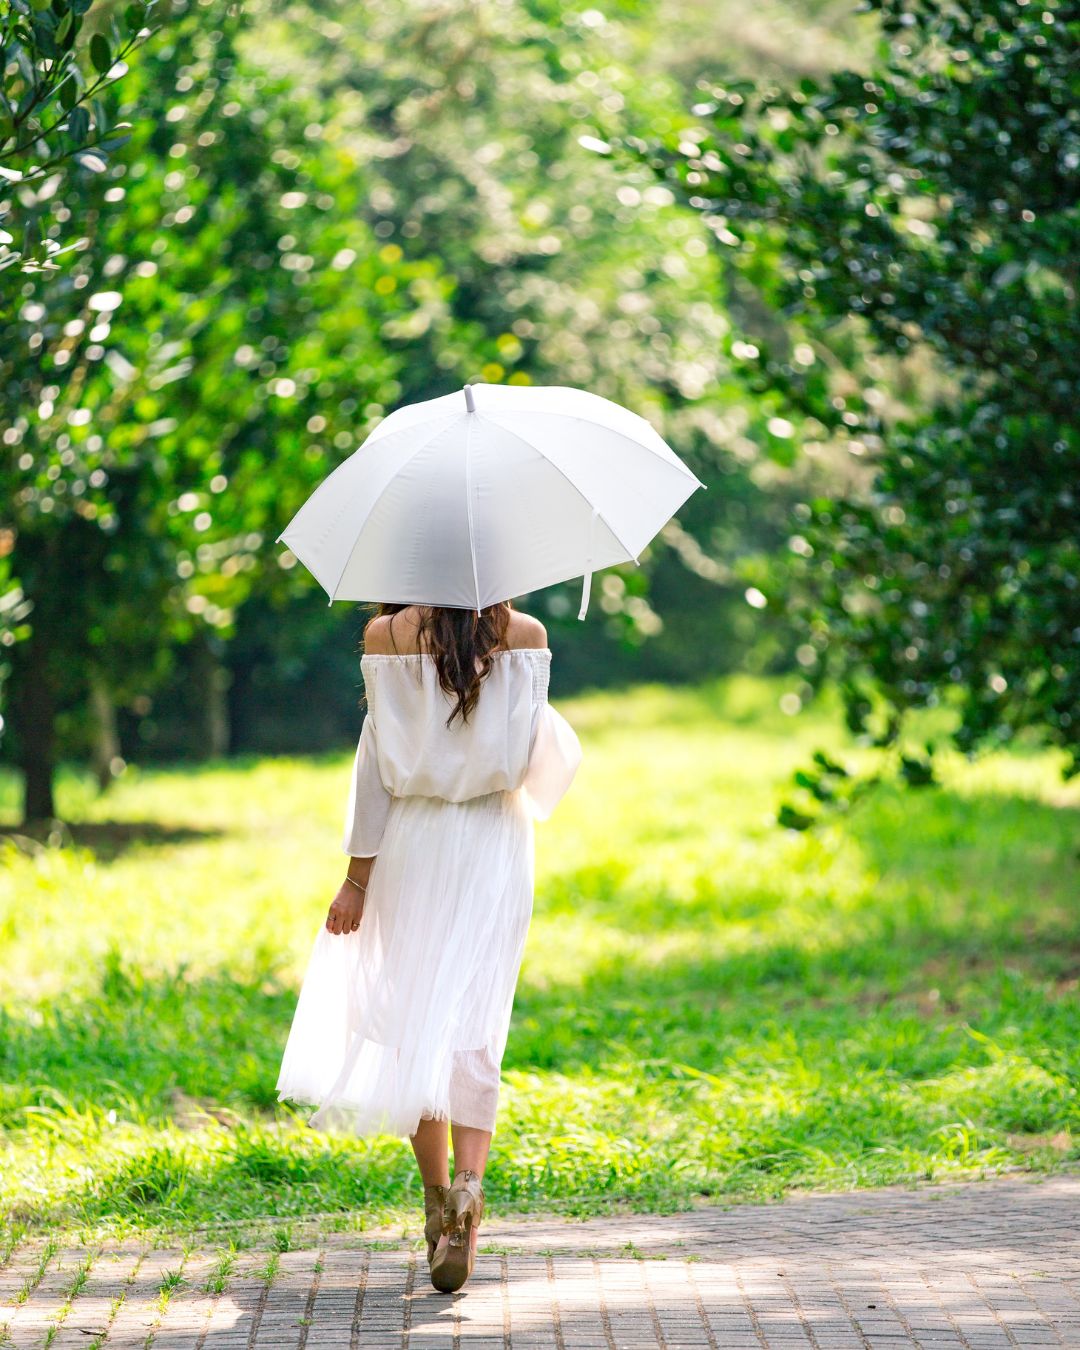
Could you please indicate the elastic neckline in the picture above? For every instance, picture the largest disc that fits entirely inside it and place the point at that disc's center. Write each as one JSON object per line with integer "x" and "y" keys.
{"x": 402, "y": 656}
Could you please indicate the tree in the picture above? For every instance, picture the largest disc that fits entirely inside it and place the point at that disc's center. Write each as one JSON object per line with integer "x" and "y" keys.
{"x": 929, "y": 207}
{"x": 212, "y": 350}
{"x": 473, "y": 123}
{"x": 56, "y": 67}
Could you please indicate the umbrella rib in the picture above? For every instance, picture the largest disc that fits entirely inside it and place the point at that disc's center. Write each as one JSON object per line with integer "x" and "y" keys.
{"x": 468, "y": 508}
{"x": 422, "y": 446}
{"x": 559, "y": 469}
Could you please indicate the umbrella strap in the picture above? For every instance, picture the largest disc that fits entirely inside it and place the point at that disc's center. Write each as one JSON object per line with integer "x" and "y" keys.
{"x": 586, "y": 580}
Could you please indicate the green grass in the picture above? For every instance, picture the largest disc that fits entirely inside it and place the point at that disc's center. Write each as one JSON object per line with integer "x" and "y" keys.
{"x": 709, "y": 1006}
{"x": 223, "y": 1268}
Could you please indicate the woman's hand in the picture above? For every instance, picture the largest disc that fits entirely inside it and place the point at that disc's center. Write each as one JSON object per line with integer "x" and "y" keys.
{"x": 347, "y": 907}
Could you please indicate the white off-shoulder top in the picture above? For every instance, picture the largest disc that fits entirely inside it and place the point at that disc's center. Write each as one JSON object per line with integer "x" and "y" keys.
{"x": 513, "y": 738}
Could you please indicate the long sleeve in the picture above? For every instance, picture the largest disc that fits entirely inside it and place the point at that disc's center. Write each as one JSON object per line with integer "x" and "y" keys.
{"x": 554, "y": 757}
{"x": 369, "y": 801}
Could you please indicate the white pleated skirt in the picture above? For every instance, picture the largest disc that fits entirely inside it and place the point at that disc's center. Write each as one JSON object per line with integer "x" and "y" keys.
{"x": 407, "y": 1018}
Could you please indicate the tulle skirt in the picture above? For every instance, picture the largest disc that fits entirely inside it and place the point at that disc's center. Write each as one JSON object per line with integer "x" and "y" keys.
{"x": 407, "y": 1018}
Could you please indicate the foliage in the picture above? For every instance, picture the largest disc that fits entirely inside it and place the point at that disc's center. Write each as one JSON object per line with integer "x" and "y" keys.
{"x": 469, "y": 124}
{"x": 926, "y": 209}
{"x": 311, "y": 224}
{"x": 217, "y": 342}
{"x": 709, "y": 1007}
{"x": 56, "y": 65}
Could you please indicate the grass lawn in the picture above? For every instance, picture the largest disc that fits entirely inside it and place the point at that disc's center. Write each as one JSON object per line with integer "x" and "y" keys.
{"x": 709, "y": 1006}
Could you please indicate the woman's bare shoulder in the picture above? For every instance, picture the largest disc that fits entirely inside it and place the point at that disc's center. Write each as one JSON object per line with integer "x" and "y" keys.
{"x": 387, "y": 634}
{"x": 525, "y": 631}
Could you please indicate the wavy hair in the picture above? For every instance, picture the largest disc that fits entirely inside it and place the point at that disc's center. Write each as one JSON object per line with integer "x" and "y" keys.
{"x": 458, "y": 639}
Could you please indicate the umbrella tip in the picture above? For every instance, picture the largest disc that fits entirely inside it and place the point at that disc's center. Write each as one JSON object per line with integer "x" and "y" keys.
{"x": 469, "y": 404}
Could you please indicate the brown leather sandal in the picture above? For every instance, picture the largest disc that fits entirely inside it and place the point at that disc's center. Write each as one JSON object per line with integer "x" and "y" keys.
{"x": 434, "y": 1201}
{"x": 452, "y": 1265}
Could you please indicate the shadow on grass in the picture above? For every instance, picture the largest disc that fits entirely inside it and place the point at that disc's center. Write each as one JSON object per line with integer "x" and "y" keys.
{"x": 108, "y": 840}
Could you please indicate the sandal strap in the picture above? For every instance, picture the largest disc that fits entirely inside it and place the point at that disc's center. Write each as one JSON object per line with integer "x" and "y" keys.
{"x": 471, "y": 1184}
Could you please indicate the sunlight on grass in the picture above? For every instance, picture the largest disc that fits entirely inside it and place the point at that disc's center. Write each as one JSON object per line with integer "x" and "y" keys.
{"x": 709, "y": 1006}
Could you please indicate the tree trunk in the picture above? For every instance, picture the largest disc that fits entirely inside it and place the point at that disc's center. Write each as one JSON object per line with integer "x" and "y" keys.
{"x": 106, "y": 738}
{"x": 211, "y": 680}
{"x": 35, "y": 710}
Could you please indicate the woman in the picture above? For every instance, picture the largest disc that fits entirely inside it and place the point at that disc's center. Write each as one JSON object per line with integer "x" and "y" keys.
{"x": 403, "y": 1014}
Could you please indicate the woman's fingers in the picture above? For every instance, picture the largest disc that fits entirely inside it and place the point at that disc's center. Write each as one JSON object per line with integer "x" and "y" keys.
{"x": 344, "y": 917}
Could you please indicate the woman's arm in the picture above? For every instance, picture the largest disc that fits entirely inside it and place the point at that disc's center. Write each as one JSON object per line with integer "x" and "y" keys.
{"x": 365, "y": 819}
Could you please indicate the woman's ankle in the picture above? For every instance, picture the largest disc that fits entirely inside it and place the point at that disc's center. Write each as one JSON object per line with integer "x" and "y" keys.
{"x": 477, "y": 1172}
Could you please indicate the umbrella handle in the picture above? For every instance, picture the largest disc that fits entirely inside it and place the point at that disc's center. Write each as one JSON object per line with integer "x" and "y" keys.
{"x": 586, "y": 580}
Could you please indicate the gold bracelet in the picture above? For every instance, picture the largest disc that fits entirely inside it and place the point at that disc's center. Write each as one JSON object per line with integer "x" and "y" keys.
{"x": 355, "y": 883}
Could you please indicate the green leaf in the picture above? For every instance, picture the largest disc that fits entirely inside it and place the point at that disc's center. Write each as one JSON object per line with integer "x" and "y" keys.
{"x": 100, "y": 53}
{"x": 814, "y": 785}
{"x": 829, "y": 765}
{"x": 45, "y": 41}
{"x": 78, "y": 123}
{"x": 790, "y": 819}
{"x": 63, "y": 28}
{"x": 917, "y": 772}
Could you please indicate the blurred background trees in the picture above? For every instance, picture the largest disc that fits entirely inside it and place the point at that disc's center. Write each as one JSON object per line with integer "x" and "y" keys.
{"x": 324, "y": 210}
{"x": 915, "y": 228}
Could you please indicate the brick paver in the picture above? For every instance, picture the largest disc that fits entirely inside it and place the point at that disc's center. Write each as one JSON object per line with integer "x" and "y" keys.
{"x": 983, "y": 1266}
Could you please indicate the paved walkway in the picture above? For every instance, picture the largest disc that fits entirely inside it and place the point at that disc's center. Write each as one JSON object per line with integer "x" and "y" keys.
{"x": 989, "y": 1265}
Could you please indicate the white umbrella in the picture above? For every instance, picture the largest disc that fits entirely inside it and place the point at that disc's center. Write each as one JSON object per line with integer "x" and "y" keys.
{"x": 478, "y": 496}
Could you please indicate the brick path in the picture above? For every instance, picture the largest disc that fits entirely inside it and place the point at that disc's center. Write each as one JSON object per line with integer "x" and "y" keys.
{"x": 987, "y": 1265}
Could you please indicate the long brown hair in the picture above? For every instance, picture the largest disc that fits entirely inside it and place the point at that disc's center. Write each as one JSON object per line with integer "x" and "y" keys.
{"x": 457, "y": 639}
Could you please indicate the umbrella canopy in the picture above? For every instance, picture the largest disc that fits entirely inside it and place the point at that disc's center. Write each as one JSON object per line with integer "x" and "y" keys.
{"x": 491, "y": 492}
